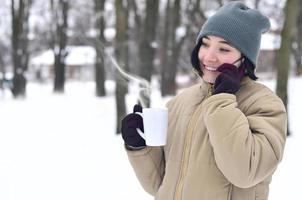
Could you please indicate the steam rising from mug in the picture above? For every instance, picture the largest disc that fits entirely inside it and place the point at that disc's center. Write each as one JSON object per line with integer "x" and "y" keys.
{"x": 144, "y": 85}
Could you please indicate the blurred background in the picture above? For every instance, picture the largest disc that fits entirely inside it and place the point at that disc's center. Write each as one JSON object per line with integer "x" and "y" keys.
{"x": 71, "y": 70}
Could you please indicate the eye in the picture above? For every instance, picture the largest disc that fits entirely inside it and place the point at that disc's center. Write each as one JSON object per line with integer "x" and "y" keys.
{"x": 224, "y": 50}
{"x": 203, "y": 44}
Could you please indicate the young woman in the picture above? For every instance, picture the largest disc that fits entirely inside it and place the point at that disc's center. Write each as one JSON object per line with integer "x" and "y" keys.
{"x": 226, "y": 135}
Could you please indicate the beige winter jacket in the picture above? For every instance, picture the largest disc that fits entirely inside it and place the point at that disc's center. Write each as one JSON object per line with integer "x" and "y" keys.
{"x": 220, "y": 147}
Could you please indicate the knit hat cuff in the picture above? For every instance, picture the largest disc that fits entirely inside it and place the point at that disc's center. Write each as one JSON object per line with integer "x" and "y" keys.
{"x": 240, "y": 26}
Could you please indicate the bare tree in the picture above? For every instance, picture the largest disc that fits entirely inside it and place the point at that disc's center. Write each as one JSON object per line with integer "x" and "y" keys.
{"x": 2, "y": 70}
{"x": 20, "y": 15}
{"x": 146, "y": 44}
{"x": 60, "y": 16}
{"x": 283, "y": 54}
{"x": 195, "y": 18}
{"x": 196, "y": 11}
{"x": 220, "y": 2}
{"x": 297, "y": 47}
{"x": 256, "y": 3}
{"x": 121, "y": 54}
{"x": 99, "y": 64}
{"x": 171, "y": 48}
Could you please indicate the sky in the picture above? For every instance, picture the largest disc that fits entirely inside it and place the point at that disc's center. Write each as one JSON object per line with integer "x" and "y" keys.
{"x": 64, "y": 146}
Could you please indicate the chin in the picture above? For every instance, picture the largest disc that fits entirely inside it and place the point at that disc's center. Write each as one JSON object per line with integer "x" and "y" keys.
{"x": 209, "y": 81}
{"x": 210, "y": 78}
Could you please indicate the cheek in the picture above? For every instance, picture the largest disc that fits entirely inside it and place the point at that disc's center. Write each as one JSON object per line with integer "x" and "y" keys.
{"x": 229, "y": 59}
{"x": 200, "y": 54}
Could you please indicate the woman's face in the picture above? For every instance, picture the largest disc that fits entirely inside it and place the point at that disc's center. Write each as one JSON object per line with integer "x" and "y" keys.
{"x": 215, "y": 51}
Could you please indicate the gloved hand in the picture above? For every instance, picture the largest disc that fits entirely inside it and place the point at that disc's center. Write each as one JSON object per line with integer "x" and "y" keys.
{"x": 228, "y": 81}
{"x": 129, "y": 125}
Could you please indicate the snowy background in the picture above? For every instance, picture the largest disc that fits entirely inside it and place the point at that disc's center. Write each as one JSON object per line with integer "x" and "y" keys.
{"x": 64, "y": 146}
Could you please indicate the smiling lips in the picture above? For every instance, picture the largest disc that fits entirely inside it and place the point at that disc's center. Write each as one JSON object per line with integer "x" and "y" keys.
{"x": 212, "y": 69}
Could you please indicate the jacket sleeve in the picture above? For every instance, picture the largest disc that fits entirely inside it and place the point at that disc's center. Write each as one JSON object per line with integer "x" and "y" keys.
{"x": 247, "y": 147}
{"x": 149, "y": 166}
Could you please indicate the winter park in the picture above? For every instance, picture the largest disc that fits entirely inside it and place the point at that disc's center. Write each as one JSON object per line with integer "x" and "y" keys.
{"x": 71, "y": 71}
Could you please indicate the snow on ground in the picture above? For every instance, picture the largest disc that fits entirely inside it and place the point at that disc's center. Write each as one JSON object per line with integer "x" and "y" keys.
{"x": 64, "y": 146}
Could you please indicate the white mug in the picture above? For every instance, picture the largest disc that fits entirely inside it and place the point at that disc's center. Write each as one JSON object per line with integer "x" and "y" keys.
{"x": 155, "y": 122}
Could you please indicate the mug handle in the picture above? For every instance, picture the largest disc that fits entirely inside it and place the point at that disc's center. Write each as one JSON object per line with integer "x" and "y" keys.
{"x": 141, "y": 133}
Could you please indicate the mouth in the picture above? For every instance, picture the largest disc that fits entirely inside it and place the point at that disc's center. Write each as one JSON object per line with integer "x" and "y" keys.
{"x": 212, "y": 69}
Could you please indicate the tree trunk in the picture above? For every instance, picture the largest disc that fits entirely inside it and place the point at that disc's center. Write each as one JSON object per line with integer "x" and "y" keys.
{"x": 146, "y": 50}
{"x": 2, "y": 71}
{"x": 20, "y": 16}
{"x": 257, "y": 4}
{"x": 283, "y": 54}
{"x": 166, "y": 50}
{"x": 196, "y": 19}
{"x": 298, "y": 55}
{"x": 100, "y": 77}
{"x": 220, "y": 2}
{"x": 120, "y": 52}
{"x": 170, "y": 44}
{"x": 61, "y": 16}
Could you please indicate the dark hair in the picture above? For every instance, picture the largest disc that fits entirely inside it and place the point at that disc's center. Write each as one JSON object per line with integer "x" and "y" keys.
{"x": 249, "y": 68}
{"x": 195, "y": 60}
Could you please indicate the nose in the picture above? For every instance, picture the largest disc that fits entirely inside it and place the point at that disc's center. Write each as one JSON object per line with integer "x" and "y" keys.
{"x": 210, "y": 55}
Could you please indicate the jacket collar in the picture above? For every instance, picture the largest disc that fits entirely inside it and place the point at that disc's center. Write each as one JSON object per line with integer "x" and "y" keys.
{"x": 205, "y": 88}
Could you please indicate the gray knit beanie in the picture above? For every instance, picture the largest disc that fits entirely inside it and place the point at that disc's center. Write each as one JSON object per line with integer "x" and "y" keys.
{"x": 239, "y": 25}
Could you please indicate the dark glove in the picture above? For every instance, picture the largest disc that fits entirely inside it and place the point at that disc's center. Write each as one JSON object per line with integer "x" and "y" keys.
{"x": 228, "y": 81}
{"x": 129, "y": 125}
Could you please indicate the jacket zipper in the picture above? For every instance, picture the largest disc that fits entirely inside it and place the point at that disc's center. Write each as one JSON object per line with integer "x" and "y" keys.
{"x": 187, "y": 150}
